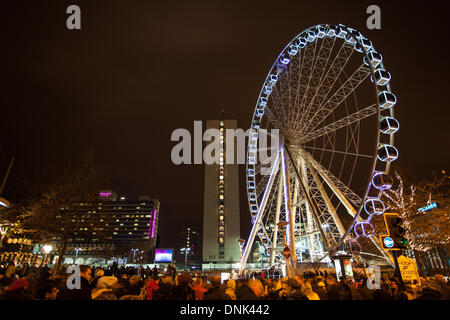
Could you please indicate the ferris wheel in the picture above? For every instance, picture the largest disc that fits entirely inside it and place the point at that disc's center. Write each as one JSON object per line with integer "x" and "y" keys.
{"x": 328, "y": 97}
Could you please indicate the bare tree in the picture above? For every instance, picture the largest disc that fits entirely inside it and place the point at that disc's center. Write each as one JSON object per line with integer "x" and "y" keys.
{"x": 55, "y": 213}
{"x": 424, "y": 230}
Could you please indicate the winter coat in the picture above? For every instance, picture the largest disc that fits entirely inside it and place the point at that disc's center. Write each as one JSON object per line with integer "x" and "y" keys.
{"x": 216, "y": 293}
{"x": 107, "y": 295}
{"x": 199, "y": 292}
{"x": 84, "y": 293}
{"x": 245, "y": 293}
{"x": 150, "y": 290}
{"x": 182, "y": 292}
{"x": 164, "y": 292}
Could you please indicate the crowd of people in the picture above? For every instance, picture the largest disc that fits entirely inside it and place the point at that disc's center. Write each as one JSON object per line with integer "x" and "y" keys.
{"x": 114, "y": 283}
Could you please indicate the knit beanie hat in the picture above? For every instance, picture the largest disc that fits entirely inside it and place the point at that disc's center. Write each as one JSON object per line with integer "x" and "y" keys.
{"x": 106, "y": 282}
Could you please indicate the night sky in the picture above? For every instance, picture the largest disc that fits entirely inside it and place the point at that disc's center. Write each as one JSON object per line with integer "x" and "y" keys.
{"x": 137, "y": 70}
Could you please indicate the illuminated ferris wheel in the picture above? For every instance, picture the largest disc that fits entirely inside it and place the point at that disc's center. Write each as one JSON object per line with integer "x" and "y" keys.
{"x": 329, "y": 96}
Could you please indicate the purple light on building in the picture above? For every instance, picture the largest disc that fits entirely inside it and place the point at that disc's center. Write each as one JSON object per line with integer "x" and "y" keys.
{"x": 105, "y": 194}
{"x": 151, "y": 233}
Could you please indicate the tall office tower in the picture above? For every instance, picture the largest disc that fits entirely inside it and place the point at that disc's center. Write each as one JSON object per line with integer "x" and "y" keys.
{"x": 221, "y": 227}
{"x": 191, "y": 241}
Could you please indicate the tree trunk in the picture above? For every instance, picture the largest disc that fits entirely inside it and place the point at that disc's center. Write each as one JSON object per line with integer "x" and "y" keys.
{"x": 62, "y": 251}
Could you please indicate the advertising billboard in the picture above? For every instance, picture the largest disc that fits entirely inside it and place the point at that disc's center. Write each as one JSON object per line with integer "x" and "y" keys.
{"x": 163, "y": 255}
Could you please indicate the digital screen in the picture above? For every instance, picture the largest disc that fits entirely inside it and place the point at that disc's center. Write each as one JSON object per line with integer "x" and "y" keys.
{"x": 163, "y": 255}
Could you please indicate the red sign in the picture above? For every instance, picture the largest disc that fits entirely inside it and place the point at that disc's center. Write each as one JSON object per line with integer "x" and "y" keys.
{"x": 287, "y": 253}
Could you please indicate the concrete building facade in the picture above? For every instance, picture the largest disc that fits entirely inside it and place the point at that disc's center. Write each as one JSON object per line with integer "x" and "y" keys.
{"x": 221, "y": 224}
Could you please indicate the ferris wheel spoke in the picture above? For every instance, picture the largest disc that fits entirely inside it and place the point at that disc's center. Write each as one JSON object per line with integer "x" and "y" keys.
{"x": 344, "y": 193}
{"x": 333, "y": 73}
{"x": 316, "y": 77}
{"x": 309, "y": 60}
{"x": 352, "y": 83}
{"x": 341, "y": 152}
{"x": 341, "y": 123}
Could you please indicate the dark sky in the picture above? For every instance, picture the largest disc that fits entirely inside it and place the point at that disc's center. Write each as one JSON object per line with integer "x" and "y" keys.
{"x": 140, "y": 69}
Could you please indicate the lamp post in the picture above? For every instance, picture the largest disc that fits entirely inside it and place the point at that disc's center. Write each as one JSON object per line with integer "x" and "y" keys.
{"x": 134, "y": 253}
{"x": 47, "y": 249}
{"x": 186, "y": 250}
{"x": 76, "y": 254}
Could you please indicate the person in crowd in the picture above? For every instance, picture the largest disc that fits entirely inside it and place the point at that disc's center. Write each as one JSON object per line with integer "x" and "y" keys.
{"x": 306, "y": 288}
{"x": 274, "y": 290}
{"x": 18, "y": 290}
{"x": 320, "y": 288}
{"x": 230, "y": 289}
{"x": 105, "y": 288}
{"x": 398, "y": 290}
{"x": 199, "y": 289}
{"x": 47, "y": 290}
{"x": 216, "y": 291}
{"x": 257, "y": 287}
{"x": 164, "y": 291}
{"x": 133, "y": 288}
{"x": 155, "y": 272}
{"x": 334, "y": 289}
{"x": 294, "y": 290}
{"x": 9, "y": 276}
{"x": 84, "y": 292}
{"x": 98, "y": 274}
{"x": 151, "y": 287}
{"x": 384, "y": 291}
{"x": 182, "y": 291}
{"x": 244, "y": 292}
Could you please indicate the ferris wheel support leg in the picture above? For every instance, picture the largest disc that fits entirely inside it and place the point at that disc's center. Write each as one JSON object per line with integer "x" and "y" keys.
{"x": 328, "y": 203}
{"x": 309, "y": 200}
{"x": 257, "y": 222}
{"x": 277, "y": 219}
{"x": 289, "y": 211}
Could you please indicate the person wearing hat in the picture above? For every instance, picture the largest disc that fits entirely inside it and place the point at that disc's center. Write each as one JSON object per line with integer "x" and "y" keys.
{"x": 18, "y": 290}
{"x": 104, "y": 289}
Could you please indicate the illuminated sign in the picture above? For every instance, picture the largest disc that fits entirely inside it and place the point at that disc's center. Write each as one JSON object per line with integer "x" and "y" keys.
{"x": 429, "y": 207}
{"x": 163, "y": 255}
{"x": 105, "y": 194}
{"x": 151, "y": 231}
{"x": 388, "y": 242}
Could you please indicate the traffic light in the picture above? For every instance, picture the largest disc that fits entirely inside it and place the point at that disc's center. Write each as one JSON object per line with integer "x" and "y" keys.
{"x": 396, "y": 231}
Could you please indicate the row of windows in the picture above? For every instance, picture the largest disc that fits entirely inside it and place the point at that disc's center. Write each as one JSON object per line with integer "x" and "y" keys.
{"x": 221, "y": 224}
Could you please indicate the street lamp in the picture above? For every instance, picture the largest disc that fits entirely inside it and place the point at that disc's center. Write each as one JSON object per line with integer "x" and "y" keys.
{"x": 134, "y": 253}
{"x": 186, "y": 250}
{"x": 241, "y": 245}
{"x": 47, "y": 249}
{"x": 76, "y": 254}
